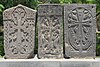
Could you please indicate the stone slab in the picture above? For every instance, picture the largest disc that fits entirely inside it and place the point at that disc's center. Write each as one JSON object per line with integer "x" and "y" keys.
{"x": 80, "y": 30}
{"x": 19, "y": 32}
{"x": 49, "y": 63}
{"x": 50, "y": 31}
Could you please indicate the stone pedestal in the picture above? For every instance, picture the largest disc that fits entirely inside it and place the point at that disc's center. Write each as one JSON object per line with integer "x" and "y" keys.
{"x": 50, "y": 63}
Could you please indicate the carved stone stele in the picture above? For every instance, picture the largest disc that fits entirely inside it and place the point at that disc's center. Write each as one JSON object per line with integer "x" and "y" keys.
{"x": 50, "y": 31}
{"x": 19, "y": 32}
{"x": 80, "y": 30}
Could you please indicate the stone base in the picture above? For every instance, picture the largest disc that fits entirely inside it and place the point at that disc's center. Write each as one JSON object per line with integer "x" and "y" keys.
{"x": 49, "y": 63}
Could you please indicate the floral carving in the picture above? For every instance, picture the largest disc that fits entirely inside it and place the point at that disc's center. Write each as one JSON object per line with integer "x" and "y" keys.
{"x": 50, "y": 32}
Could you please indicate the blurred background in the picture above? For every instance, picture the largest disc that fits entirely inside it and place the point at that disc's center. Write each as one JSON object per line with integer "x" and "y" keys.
{"x": 4, "y": 4}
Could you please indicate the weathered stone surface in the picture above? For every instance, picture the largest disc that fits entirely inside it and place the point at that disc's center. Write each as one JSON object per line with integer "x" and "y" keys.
{"x": 50, "y": 63}
{"x": 19, "y": 32}
{"x": 79, "y": 30}
{"x": 50, "y": 33}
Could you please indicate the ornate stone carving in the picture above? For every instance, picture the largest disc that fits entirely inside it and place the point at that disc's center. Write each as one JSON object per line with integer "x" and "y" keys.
{"x": 80, "y": 28}
{"x": 19, "y": 32}
{"x": 50, "y": 31}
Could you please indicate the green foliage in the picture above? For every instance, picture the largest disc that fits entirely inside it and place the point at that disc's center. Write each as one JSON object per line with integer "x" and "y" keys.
{"x": 65, "y": 1}
{"x": 35, "y": 2}
{"x": 1, "y": 46}
{"x": 98, "y": 50}
{"x": 1, "y": 10}
{"x": 98, "y": 44}
{"x": 1, "y": 7}
{"x": 54, "y": 1}
{"x": 98, "y": 5}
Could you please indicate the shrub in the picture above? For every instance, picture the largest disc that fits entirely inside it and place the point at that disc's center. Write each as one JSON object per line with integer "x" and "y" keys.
{"x": 98, "y": 44}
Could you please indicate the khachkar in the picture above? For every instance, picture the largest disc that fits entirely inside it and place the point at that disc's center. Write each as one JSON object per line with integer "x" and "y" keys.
{"x": 19, "y": 32}
{"x": 50, "y": 31}
{"x": 80, "y": 28}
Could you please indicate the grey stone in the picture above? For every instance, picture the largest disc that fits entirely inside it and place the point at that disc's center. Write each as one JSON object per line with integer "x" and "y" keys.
{"x": 19, "y": 32}
{"x": 22, "y": 64}
{"x": 76, "y": 64}
{"x": 50, "y": 63}
{"x": 50, "y": 31}
{"x": 80, "y": 30}
{"x": 95, "y": 64}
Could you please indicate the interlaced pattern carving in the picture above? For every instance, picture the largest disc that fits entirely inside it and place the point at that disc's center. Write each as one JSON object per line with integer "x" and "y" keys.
{"x": 19, "y": 32}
